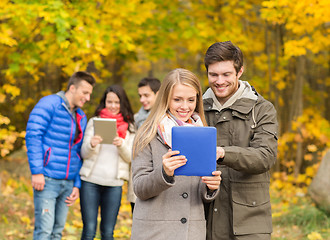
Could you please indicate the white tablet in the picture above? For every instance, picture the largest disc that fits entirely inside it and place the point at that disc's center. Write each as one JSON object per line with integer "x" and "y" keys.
{"x": 106, "y": 128}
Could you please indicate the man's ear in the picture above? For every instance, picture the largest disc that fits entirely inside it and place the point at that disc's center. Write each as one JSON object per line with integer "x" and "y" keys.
{"x": 239, "y": 74}
{"x": 72, "y": 88}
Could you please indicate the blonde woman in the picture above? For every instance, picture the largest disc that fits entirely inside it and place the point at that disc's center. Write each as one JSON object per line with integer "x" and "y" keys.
{"x": 169, "y": 206}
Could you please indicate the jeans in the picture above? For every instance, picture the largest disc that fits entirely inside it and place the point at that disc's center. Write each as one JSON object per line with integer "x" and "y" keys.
{"x": 91, "y": 197}
{"x": 50, "y": 210}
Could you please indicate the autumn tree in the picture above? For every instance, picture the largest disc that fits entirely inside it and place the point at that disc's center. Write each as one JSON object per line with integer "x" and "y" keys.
{"x": 300, "y": 70}
{"x": 285, "y": 45}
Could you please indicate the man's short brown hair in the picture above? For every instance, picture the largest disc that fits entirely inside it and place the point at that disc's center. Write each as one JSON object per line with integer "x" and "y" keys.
{"x": 224, "y": 51}
{"x": 77, "y": 77}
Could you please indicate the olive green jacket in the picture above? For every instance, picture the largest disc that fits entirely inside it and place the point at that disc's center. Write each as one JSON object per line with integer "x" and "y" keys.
{"x": 247, "y": 130}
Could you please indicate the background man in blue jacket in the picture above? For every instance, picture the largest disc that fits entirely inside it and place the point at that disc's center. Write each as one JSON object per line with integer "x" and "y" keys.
{"x": 54, "y": 136}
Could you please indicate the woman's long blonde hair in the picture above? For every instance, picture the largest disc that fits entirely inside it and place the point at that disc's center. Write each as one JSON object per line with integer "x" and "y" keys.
{"x": 148, "y": 130}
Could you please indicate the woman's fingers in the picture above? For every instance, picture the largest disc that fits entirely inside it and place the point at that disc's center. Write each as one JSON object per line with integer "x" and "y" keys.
{"x": 172, "y": 161}
{"x": 118, "y": 141}
{"x": 214, "y": 181}
{"x": 95, "y": 140}
{"x": 175, "y": 162}
{"x": 170, "y": 153}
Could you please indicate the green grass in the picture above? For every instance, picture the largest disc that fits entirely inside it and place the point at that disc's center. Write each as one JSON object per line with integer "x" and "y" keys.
{"x": 298, "y": 221}
{"x": 301, "y": 221}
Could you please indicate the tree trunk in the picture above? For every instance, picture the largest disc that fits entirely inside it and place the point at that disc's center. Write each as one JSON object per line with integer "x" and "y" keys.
{"x": 151, "y": 71}
{"x": 272, "y": 86}
{"x": 274, "y": 93}
{"x": 277, "y": 92}
{"x": 327, "y": 99}
{"x": 114, "y": 63}
{"x": 117, "y": 70}
{"x": 297, "y": 107}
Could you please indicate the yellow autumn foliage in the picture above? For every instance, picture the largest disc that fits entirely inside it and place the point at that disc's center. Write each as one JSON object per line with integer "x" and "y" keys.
{"x": 314, "y": 236}
{"x": 43, "y": 42}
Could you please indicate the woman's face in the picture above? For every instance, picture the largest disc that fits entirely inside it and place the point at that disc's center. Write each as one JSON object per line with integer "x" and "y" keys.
{"x": 112, "y": 103}
{"x": 183, "y": 102}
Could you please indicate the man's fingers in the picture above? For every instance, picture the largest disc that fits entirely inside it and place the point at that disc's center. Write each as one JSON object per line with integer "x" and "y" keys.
{"x": 38, "y": 187}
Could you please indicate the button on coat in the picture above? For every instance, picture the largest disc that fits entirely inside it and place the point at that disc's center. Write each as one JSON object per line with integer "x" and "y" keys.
{"x": 185, "y": 195}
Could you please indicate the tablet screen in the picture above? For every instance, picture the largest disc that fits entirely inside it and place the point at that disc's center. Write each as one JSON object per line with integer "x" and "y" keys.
{"x": 106, "y": 128}
{"x": 199, "y": 145}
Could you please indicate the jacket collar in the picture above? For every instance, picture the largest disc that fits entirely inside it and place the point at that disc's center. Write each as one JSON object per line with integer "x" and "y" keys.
{"x": 141, "y": 116}
{"x": 66, "y": 104}
{"x": 243, "y": 104}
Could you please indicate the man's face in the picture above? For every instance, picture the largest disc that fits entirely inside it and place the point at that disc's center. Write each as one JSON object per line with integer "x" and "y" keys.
{"x": 147, "y": 97}
{"x": 223, "y": 79}
{"x": 80, "y": 94}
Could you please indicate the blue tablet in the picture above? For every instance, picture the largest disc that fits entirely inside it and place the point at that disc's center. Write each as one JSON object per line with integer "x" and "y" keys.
{"x": 199, "y": 145}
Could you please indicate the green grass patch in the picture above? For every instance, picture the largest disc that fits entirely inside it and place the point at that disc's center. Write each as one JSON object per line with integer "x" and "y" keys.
{"x": 304, "y": 220}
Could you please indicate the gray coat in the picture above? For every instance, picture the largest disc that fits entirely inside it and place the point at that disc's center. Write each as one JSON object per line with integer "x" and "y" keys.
{"x": 247, "y": 132}
{"x": 171, "y": 208}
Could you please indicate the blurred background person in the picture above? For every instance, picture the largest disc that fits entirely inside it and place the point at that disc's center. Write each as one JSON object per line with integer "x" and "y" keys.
{"x": 54, "y": 135}
{"x": 106, "y": 166}
{"x": 148, "y": 89}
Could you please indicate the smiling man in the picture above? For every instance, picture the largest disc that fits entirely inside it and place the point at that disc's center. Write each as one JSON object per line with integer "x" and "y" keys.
{"x": 54, "y": 136}
{"x": 247, "y": 139}
{"x": 148, "y": 89}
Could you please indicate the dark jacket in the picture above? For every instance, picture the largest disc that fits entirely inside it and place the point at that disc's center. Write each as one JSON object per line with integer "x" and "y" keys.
{"x": 52, "y": 148}
{"x": 247, "y": 132}
{"x": 166, "y": 210}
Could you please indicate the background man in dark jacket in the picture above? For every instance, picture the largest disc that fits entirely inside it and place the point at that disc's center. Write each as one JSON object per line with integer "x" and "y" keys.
{"x": 54, "y": 136}
{"x": 148, "y": 89}
{"x": 246, "y": 124}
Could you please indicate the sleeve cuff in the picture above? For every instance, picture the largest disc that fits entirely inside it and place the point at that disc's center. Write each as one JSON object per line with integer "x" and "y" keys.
{"x": 220, "y": 160}
{"x": 169, "y": 179}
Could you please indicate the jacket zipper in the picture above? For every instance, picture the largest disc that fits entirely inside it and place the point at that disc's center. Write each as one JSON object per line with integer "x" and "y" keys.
{"x": 47, "y": 156}
{"x": 70, "y": 147}
{"x": 70, "y": 143}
